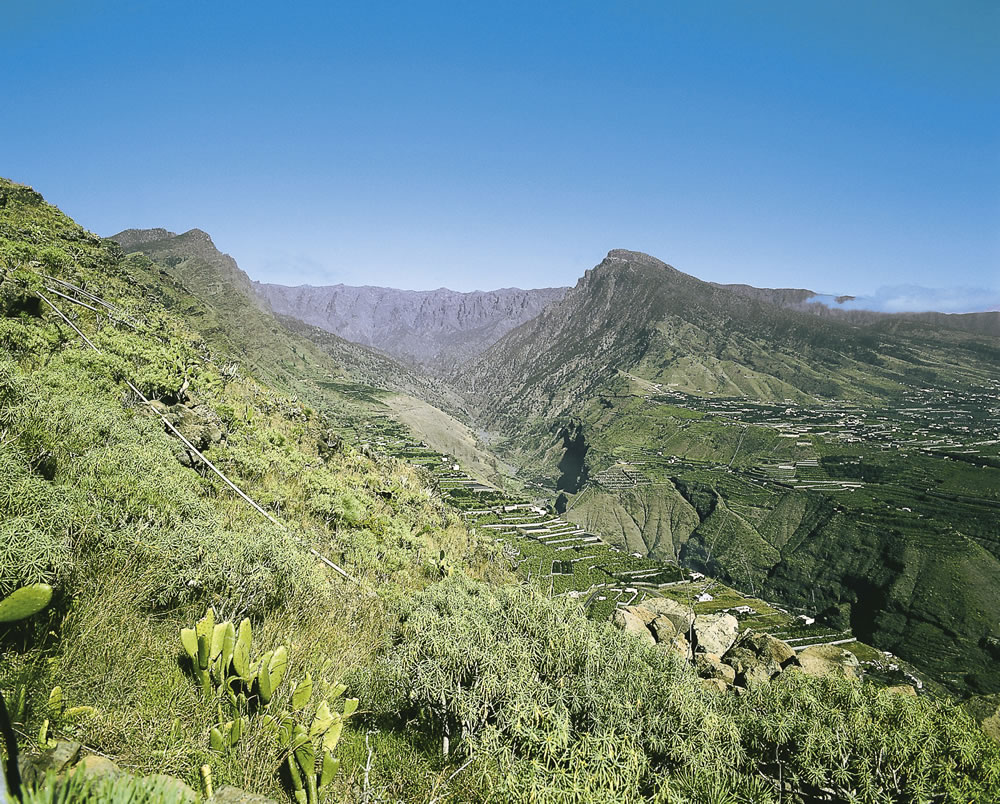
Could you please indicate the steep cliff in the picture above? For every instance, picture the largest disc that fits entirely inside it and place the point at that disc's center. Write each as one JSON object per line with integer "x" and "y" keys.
{"x": 433, "y": 329}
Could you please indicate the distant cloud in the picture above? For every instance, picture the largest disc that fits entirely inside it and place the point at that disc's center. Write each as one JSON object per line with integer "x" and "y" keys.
{"x": 291, "y": 268}
{"x": 916, "y": 299}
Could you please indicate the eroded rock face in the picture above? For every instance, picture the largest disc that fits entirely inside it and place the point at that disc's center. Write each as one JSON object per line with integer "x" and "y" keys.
{"x": 829, "y": 661}
{"x": 434, "y": 329}
{"x": 715, "y": 633}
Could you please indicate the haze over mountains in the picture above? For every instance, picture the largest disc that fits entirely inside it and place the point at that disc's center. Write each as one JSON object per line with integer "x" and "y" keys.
{"x": 434, "y": 329}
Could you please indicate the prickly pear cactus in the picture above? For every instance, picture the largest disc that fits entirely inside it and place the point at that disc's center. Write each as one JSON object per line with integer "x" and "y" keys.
{"x": 244, "y": 689}
{"x": 19, "y": 605}
{"x": 24, "y": 602}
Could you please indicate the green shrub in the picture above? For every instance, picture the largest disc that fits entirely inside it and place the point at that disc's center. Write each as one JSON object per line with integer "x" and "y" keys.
{"x": 564, "y": 709}
{"x": 76, "y": 788}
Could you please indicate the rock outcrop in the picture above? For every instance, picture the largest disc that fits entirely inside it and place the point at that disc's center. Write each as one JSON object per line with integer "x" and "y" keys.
{"x": 724, "y": 657}
{"x": 632, "y": 624}
{"x": 715, "y": 633}
{"x": 829, "y": 660}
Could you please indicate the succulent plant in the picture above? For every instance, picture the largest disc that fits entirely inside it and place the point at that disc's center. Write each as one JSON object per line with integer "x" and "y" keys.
{"x": 25, "y": 602}
{"x": 244, "y": 688}
{"x": 19, "y": 605}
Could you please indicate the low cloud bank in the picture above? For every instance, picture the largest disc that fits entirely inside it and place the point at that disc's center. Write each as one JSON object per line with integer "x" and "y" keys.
{"x": 917, "y": 299}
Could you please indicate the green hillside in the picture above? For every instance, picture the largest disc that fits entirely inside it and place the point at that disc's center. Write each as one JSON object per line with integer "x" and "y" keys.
{"x": 636, "y": 314}
{"x": 362, "y": 642}
{"x": 296, "y": 356}
{"x": 849, "y": 471}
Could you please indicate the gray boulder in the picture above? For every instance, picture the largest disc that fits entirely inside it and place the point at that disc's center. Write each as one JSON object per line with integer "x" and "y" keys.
{"x": 680, "y": 615}
{"x": 631, "y": 624}
{"x": 715, "y": 633}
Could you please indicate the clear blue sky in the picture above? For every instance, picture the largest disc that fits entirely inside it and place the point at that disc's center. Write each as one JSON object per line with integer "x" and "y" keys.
{"x": 842, "y": 145}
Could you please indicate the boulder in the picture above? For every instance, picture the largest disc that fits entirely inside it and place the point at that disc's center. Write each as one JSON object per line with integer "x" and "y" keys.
{"x": 709, "y": 665}
{"x": 678, "y": 646}
{"x": 714, "y": 684}
{"x": 680, "y": 615}
{"x": 631, "y": 624}
{"x": 715, "y": 633}
{"x": 663, "y": 628}
{"x": 758, "y": 657}
{"x": 767, "y": 648}
{"x": 173, "y": 788}
{"x": 991, "y": 726}
{"x": 56, "y": 759}
{"x": 749, "y": 667}
{"x": 93, "y": 766}
{"x": 829, "y": 661}
{"x": 233, "y": 795}
{"x": 642, "y": 613}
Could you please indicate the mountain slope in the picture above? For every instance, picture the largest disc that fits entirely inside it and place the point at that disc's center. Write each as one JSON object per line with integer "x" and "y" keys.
{"x": 808, "y": 301}
{"x": 434, "y": 329}
{"x": 633, "y": 313}
{"x": 429, "y": 641}
{"x": 718, "y": 405}
{"x": 284, "y": 350}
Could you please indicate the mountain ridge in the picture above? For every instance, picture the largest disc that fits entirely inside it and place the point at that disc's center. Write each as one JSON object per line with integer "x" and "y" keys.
{"x": 636, "y": 313}
{"x": 192, "y": 259}
{"x": 434, "y": 330}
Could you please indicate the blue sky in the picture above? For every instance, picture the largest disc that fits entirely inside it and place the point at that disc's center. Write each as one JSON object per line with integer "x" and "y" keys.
{"x": 844, "y": 146}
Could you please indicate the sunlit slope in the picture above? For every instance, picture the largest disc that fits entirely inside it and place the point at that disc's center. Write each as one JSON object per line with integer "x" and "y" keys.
{"x": 218, "y": 297}
{"x": 634, "y": 313}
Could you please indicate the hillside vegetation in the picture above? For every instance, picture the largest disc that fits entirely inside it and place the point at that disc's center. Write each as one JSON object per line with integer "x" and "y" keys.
{"x": 788, "y": 453}
{"x": 469, "y": 686}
